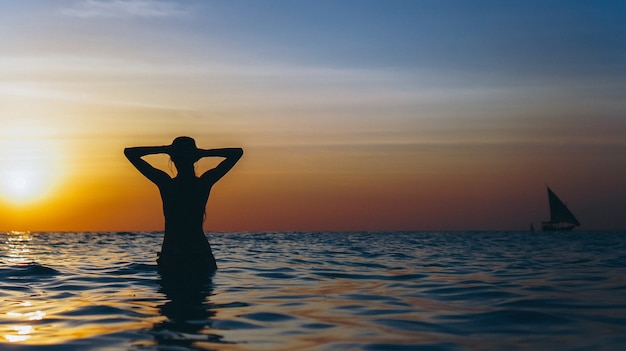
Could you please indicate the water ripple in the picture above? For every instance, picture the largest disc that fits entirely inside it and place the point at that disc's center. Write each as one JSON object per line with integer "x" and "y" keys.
{"x": 316, "y": 291}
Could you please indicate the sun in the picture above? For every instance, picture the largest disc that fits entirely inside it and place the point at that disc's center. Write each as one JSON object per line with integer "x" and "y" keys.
{"x": 28, "y": 171}
{"x": 23, "y": 185}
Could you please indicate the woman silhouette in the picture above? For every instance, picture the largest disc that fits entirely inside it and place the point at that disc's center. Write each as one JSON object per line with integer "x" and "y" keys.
{"x": 184, "y": 197}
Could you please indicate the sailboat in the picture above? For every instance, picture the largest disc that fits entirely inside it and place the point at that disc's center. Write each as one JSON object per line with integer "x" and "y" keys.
{"x": 561, "y": 218}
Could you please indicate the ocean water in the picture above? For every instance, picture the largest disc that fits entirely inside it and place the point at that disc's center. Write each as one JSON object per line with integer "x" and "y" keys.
{"x": 317, "y": 291}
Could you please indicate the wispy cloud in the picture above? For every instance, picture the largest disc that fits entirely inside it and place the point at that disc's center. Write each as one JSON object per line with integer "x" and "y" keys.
{"x": 126, "y": 9}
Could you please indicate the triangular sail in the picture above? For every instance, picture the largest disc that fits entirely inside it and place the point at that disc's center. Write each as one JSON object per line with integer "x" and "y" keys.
{"x": 559, "y": 213}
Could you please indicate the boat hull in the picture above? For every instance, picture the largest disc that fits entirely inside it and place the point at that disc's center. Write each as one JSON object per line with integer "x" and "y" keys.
{"x": 557, "y": 226}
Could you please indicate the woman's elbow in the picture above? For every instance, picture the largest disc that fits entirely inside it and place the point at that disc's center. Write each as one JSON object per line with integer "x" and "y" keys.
{"x": 129, "y": 152}
{"x": 236, "y": 152}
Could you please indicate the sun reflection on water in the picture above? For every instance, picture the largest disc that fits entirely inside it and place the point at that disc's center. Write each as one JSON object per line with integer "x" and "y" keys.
{"x": 31, "y": 312}
{"x": 18, "y": 251}
{"x": 22, "y": 330}
{"x": 18, "y": 247}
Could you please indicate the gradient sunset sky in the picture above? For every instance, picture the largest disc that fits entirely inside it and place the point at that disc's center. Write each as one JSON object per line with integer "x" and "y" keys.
{"x": 353, "y": 114}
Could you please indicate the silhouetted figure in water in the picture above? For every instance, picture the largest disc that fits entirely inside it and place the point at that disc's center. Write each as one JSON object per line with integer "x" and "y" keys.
{"x": 185, "y": 247}
{"x": 189, "y": 313}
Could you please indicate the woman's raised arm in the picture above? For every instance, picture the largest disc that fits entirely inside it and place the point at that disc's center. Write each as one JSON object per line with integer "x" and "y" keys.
{"x": 135, "y": 154}
{"x": 231, "y": 155}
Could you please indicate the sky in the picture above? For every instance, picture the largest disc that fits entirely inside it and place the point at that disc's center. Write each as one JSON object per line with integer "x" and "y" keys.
{"x": 353, "y": 114}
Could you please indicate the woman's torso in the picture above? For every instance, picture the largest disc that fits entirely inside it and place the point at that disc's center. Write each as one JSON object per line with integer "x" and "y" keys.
{"x": 184, "y": 204}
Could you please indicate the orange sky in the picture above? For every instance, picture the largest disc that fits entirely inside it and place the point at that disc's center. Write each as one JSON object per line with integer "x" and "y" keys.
{"x": 371, "y": 121}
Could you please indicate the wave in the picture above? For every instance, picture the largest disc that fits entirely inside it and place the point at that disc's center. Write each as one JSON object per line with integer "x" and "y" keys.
{"x": 27, "y": 270}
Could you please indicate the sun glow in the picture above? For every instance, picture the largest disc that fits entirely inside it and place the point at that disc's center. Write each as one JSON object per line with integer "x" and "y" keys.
{"x": 23, "y": 185}
{"x": 29, "y": 166}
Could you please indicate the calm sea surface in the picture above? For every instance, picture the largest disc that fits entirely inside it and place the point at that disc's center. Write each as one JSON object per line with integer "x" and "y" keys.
{"x": 317, "y": 291}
